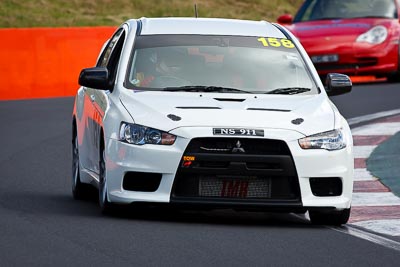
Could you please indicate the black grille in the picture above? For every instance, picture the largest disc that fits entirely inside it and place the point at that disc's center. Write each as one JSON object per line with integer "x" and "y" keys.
{"x": 353, "y": 66}
{"x": 260, "y": 165}
{"x": 227, "y": 145}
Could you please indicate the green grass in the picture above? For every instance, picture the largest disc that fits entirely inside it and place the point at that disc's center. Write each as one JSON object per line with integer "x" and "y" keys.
{"x": 66, "y": 13}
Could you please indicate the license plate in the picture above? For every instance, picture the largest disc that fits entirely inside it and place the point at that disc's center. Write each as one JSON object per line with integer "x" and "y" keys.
{"x": 243, "y": 187}
{"x": 238, "y": 131}
{"x": 325, "y": 58}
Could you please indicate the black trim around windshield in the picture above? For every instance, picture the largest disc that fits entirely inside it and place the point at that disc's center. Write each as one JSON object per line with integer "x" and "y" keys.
{"x": 165, "y": 40}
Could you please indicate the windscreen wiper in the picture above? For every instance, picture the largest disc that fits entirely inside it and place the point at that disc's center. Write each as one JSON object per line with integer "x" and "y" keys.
{"x": 289, "y": 90}
{"x": 203, "y": 88}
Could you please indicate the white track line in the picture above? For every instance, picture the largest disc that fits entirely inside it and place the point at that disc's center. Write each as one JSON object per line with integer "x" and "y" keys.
{"x": 378, "y": 115}
{"x": 375, "y": 199}
{"x": 386, "y": 227}
{"x": 383, "y": 241}
{"x": 363, "y": 152}
{"x": 383, "y": 128}
{"x": 363, "y": 175}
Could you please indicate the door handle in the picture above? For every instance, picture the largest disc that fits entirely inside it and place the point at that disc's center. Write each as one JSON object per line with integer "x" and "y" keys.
{"x": 93, "y": 98}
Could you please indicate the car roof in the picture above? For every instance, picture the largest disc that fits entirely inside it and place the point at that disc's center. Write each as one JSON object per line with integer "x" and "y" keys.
{"x": 208, "y": 26}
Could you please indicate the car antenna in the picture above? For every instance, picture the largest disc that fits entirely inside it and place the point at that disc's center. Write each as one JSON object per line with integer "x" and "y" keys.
{"x": 196, "y": 15}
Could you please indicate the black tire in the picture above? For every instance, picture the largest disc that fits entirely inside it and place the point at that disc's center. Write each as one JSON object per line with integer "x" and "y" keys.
{"x": 395, "y": 78}
{"x": 336, "y": 218}
{"x": 105, "y": 206}
{"x": 79, "y": 190}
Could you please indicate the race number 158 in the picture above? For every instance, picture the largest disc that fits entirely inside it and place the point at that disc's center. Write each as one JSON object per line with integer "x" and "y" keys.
{"x": 275, "y": 42}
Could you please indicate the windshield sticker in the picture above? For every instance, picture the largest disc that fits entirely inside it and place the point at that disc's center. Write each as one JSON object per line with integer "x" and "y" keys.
{"x": 275, "y": 42}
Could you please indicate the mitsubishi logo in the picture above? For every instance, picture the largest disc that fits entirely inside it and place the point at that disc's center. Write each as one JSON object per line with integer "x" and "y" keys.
{"x": 238, "y": 148}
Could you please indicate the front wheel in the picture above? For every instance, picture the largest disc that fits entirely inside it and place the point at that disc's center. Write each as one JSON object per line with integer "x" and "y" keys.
{"x": 330, "y": 217}
{"x": 79, "y": 190}
{"x": 105, "y": 206}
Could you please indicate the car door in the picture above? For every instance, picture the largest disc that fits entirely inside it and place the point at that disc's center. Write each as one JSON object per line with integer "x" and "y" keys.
{"x": 100, "y": 98}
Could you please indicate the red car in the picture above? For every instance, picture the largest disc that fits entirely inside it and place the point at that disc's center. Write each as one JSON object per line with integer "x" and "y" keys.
{"x": 355, "y": 37}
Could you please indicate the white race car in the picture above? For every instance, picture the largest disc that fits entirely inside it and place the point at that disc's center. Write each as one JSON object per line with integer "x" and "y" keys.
{"x": 212, "y": 113}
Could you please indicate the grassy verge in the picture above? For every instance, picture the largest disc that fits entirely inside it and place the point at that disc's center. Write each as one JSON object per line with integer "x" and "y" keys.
{"x": 65, "y": 13}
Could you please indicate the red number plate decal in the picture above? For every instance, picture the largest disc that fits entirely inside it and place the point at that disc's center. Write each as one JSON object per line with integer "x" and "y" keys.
{"x": 231, "y": 188}
{"x": 225, "y": 187}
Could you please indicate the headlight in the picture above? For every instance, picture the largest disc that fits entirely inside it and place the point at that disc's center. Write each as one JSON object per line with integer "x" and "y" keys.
{"x": 376, "y": 35}
{"x": 139, "y": 135}
{"x": 332, "y": 140}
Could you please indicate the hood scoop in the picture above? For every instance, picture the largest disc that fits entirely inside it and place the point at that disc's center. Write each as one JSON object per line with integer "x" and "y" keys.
{"x": 270, "y": 109}
{"x": 230, "y": 99}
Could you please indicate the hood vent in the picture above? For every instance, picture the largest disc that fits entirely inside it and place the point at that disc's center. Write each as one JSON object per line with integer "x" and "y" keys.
{"x": 198, "y": 107}
{"x": 270, "y": 109}
{"x": 230, "y": 99}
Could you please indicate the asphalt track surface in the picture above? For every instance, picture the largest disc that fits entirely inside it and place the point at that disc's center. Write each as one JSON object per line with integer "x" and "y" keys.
{"x": 41, "y": 225}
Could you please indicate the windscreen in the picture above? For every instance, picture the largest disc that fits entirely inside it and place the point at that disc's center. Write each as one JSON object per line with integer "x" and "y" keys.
{"x": 340, "y": 9}
{"x": 244, "y": 64}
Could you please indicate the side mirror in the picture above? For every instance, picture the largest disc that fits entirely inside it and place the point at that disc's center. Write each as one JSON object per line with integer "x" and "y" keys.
{"x": 338, "y": 84}
{"x": 96, "y": 78}
{"x": 285, "y": 19}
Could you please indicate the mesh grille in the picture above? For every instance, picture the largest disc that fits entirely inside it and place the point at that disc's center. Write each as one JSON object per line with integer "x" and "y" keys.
{"x": 235, "y": 188}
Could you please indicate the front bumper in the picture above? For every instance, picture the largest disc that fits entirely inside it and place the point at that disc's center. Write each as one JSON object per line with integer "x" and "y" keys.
{"x": 361, "y": 59}
{"x": 122, "y": 158}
